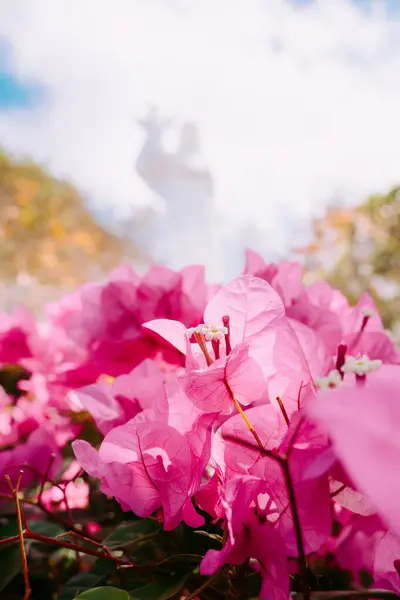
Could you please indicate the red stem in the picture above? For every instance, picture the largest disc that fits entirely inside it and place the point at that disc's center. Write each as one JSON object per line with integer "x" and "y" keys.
{"x": 57, "y": 542}
{"x": 21, "y": 531}
{"x": 283, "y": 461}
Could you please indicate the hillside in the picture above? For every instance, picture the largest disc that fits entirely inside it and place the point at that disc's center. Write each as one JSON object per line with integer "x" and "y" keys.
{"x": 47, "y": 235}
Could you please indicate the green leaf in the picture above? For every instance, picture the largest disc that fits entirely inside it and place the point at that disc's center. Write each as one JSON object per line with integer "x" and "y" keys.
{"x": 41, "y": 527}
{"x": 10, "y": 554}
{"x": 124, "y": 535}
{"x": 46, "y": 528}
{"x": 97, "y": 575}
{"x": 9, "y": 529}
{"x": 10, "y": 561}
{"x": 180, "y": 562}
{"x": 162, "y": 589}
{"x": 104, "y": 593}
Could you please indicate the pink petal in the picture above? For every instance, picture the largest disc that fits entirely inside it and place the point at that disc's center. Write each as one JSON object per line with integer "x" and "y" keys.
{"x": 173, "y": 332}
{"x": 252, "y": 305}
{"x": 363, "y": 425}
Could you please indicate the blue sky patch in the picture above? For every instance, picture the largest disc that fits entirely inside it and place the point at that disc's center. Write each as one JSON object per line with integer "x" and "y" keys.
{"x": 16, "y": 93}
{"x": 392, "y": 6}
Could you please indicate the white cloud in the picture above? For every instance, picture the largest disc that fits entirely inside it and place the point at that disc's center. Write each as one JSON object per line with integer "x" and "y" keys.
{"x": 294, "y": 104}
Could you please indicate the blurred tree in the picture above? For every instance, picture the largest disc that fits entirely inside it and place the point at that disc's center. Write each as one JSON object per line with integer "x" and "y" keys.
{"x": 359, "y": 249}
{"x": 47, "y": 233}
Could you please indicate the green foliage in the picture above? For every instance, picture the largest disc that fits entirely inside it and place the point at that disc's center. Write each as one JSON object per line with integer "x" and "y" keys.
{"x": 105, "y": 593}
{"x": 10, "y": 563}
{"x": 10, "y": 376}
{"x": 102, "y": 569}
{"x": 48, "y": 232}
{"x": 127, "y": 534}
{"x": 358, "y": 250}
{"x": 162, "y": 589}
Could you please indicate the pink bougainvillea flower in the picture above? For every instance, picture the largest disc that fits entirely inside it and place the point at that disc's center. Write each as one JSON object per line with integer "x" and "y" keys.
{"x": 375, "y": 344}
{"x": 323, "y": 309}
{"x": 250, "y": 535}
{"x": 363, "y": 425}
{"x": 72, "y": 491}
{"x": 252, "y": 307}
{"x": 76, "y": 496}
{"x": 212, "y": 389}
{"x": 312, "y": 499}
{"x": 240, "y": 335}
{"x": 232, "y": 459}
{"x": 365, "y": 544}
{"x": 16, "y": 333}
{"x": 208, "y": 496}
{"x": 309, "y": 477}
{"x": 146, "y": 465}
{"x": 112, "y": 404}
{"x": 164, "y": 293}
{"x": 8, "y": 435}
{"x": 284, "y": 277}
{"x": 299, "y": 353}
{"x": 36, "y": 457}
{"x": 104, "y": 320}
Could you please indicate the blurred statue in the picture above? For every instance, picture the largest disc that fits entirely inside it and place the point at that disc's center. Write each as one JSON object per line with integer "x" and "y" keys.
{"x": 181, "y": 178}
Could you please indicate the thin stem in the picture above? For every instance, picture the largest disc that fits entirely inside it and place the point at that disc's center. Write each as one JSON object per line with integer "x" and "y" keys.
{"x": 246, "y": 444}
{"x": 297, "y": 528}
{"x": 52, "y": 515}
{"x": 89, "y": 541}
{"x": 45, "y": 477}
{"x": 283, "y": 461}
{"x": 244, "y": 417}
{"x": 299, "y": 395}
{"x": 205, "y": 585}
{"x": 249, "y": 425}
{"x": 283, "y": 411}
{"x": 91, "y": 552}
{"x": 13, "y": 538}
{"x": 15, "y": 491}
{"x": 35, "y": 472}
{"x": 293, "y": 437}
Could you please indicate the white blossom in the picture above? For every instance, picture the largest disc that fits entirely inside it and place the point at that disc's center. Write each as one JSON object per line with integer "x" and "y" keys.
{"x": 332, "y": 380}
{"x": 361, "y": 365}
{"x": 210, "y": 333}
{"x": 216, "y": 333}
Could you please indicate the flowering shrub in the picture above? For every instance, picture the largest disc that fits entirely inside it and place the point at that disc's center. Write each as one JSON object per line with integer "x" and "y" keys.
{"x": 162, "y": 438}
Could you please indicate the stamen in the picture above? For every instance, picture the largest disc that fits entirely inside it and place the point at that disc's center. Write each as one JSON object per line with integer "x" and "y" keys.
{"x": 333, "y": 380}
{"x": 341, "y": 358}
{"x": 200, "y": 340}
{"x": 283, "y": 411}
{"x": 367, "y": 314}
{"x": 228, "y": 347}
{"x": 215, "y": 345}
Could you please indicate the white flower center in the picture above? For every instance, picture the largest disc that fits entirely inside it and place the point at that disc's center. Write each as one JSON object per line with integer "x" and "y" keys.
{"x": 332, "y": 380}
{"x": 210, "y": 333}
{"x": 361, "y": 365}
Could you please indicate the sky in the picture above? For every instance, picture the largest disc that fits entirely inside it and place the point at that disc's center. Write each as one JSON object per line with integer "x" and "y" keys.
{"x": 297, "y": 101}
